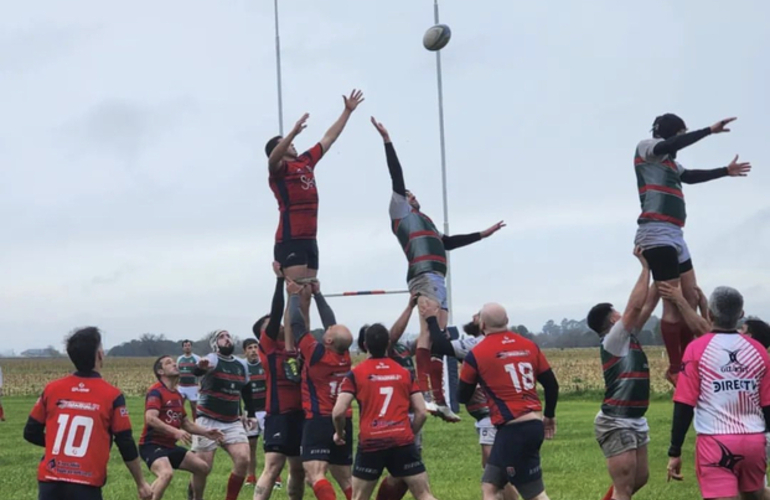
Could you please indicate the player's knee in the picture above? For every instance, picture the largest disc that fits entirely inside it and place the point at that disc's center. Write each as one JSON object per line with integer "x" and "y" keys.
{"x": 641, "y": 479}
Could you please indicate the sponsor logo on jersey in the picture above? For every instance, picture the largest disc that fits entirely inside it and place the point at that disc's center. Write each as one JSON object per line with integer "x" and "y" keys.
{"x": 734, "y": 385}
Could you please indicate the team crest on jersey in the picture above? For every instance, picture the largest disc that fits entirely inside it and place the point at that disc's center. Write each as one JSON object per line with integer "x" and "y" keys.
{"x": 511, "y": 471}
{"x": 81, "y": 387}
{"x": 123, "y": 411}
{"x": 51, "y": 465}
{"x": 381, "y": 366}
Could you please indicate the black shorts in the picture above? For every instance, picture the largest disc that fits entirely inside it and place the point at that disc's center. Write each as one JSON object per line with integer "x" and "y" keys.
{"x": 151, "y": 452}
{"x": 60, "y": 490}
{"x": 318, "y": 442}
{"x": 664, "y": 263}
{"x": 516, "y": 453}
{"x": 403, "y": 461}
{"x": 297, "y": 253}
{"x": 283, "y": 433}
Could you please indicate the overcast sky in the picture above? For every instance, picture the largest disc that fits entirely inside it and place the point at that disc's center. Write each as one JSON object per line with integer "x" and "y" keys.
{"x": 133, "y": 182}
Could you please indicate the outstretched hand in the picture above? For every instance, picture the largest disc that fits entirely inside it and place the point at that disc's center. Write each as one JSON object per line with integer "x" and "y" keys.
{"x": 492, "y": 230}
{"x": 381, "y": 129}
{"x": 356, "y": 97}
{"x": 300, "y": 125}
{"x": 720, "y": 126}
{"x": 736, "y": 169}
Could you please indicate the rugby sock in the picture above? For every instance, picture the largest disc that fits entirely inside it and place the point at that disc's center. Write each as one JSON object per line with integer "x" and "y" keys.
{"x": 608, "y": 496}
{"x": 437, "y": 380}
{"x": 671, "y": 333}
{"x": 2, "y": 412}
{"x": 685, "y": 337}
{"x": 234, "y": 485}
{"x": 422, "y": 358}
{"x": 323, "y": 490}
{"x": 348, "y": 493}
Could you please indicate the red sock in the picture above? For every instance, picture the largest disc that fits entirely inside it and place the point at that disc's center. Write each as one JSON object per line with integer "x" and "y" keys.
{"x": 422, "y": 358}
{"x": 348, "y": 493}
{"x": 685, "y": 337}
{"x": 323, "y": 490}
{"x": 671, "y": 333}
{"x": 2, "y": 413}
{"x": 608, "y": 496}
{"x": 234, "y": 485}
{"x": 437, "y": 380}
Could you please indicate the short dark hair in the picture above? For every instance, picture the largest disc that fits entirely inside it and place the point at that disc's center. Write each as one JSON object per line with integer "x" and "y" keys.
{"x": 248, "y": 342}
{"x": 667, "y": 126}
{"x": 257, "y": 328}
{"x": 82, "y": 345}
{"x": 472, "y": 329}
{"x": 759, "y": 331}
{"x": 377, "y": 338}
{"x": 187, "y": 341}
{"x": 362, "y": 338}
{"x": 598, "y": 317}
{"x": 158, "y": 365}
{"x": 271, "y": 144}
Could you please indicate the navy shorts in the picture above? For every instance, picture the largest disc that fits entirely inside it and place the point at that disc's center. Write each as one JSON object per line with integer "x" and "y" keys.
{"x": 60, "y": 490}
{"x": 283, "y": 433}
{"x": 151, "y": 452}
{"x": 318, "y": 442}
{"x": 403, "y": 461}
{"x": 516, "y": 453}
{"x": 297, "y": 253}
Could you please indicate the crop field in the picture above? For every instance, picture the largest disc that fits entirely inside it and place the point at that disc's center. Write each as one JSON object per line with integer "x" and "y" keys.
{"x": 573, "y": 464}
{"x": 578, "y": 372}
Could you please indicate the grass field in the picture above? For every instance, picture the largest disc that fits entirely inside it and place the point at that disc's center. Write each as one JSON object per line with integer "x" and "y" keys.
{"x": 573, "y": 464}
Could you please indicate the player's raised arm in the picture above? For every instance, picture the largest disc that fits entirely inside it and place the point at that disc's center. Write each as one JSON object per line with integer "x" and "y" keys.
{"x": 632, "y": 315}
{"x": 677, "y": 141}
{"x": 324, "y": 309}
{"x": 298, "y": 323}
{"x": 399, "y": 327}
{"x": 276, "y": 309}
{"x": 734, "y": 169}
{"x": 695, "y": 322}
{"x": 394, "y": 166}
{"x": 275, "y": 157}
{"x": 351, "y": 103}
{"x": 461, "y": 240}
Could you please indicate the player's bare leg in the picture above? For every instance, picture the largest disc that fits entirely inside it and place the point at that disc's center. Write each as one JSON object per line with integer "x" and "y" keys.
{"x": 274, "y": 463}
{"x": 671, "y": 325}
{"x": 163, "y": 475}
{"x": 239, "y": 452}
{"x": 315, "y": 475}
{"x": 199, "y": 479}
{"x": 509, "y": 492}
{"x": 622, "y": 469}
{"x": 295, "y": 485}
{"x": 362, "y": 489}
{"x": 419, "y": 487}
{"x": 343, "y": 474}
{"x": 392, "y": 488}
{"x": 251, "y": 470}
{"x": 424, "y": 367}
{"x": 302, "y": 275}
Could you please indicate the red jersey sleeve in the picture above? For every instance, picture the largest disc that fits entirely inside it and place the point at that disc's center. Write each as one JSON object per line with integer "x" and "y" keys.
{"x": 307, "y": 345}
{"x": 38, "y": 412}
{"x": 688, "y": 384}
{"x": 349, "y": 384}
{"x": 413, "y": 387}
{"x": 153, "y": 401}
{"x": 313, "y": 155}
{"x": 120, "y": 421}
{"x": 469, "y": 373}
{"x": 267, "y": 345}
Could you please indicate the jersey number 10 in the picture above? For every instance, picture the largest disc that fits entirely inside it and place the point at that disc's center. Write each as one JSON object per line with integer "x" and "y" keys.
{"x": 527, "y": 380}
{"x": 70, "y": 429}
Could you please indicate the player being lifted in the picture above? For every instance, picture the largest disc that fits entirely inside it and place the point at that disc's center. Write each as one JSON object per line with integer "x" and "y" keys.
{"x": 620, "y": 426}
{"x": 76, "y": 420}
{"x": 292, "y": 180}
{"x": 223, "y": 384}
{"x": 284, "y": 419}
{"x": 326, "y": 362}
{"x": 659, "y": 179}
{"x": 188, "y": 382}
{"x": 507, "y": 366}
{"x": 425, "y": 249}
{"x": 386, "y": 392}
{"x": 165, "y": 423}
{"x": 256, "y": 373}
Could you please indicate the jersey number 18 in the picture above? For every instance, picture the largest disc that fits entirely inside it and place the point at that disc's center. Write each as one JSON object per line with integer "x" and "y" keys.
{"x": 527, "y": 380}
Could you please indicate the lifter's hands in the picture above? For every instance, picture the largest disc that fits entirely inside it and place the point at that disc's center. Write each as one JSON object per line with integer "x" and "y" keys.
{"x": 427, "y": 307}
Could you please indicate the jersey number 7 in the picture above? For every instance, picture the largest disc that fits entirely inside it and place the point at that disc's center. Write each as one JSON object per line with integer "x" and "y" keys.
{"x": 388, "y": 393}
{"x": 527, "y": 380}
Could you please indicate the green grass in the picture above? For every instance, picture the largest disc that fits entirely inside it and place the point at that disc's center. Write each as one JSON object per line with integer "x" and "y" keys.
{"x": 573, "y": 465}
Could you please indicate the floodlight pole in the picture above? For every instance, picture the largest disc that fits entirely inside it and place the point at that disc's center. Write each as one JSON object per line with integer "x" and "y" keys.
{"x": 278, "y": 70}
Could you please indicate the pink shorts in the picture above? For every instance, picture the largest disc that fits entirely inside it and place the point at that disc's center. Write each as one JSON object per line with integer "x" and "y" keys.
{"x": 730, "y": 464}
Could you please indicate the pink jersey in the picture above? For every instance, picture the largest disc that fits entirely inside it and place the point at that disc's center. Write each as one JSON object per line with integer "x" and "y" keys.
{"x": 725, "y": 377}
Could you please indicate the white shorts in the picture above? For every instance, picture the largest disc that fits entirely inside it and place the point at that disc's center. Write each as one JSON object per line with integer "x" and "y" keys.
{"x": 486, "y": 431}
{"x": 233, "y": 431}
{"x": 190, "y": 393}
{"x": 259, "y": 429}
{"x": 662, "y": 234}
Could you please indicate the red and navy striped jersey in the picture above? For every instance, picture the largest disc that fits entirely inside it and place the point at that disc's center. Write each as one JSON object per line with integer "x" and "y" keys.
{"x": 170, "y": 406}
{"x": 283, "y": 394}
{"x": 295, "y": 190}
{"x": 322, "y": 377}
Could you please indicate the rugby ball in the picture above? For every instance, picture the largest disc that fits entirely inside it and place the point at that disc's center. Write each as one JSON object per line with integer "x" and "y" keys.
{"x": 437, "y": 37}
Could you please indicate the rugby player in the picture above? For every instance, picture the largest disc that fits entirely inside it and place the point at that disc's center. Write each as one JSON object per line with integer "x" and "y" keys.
{"x": 256, "y": 373}
{"x": 188, "y": 382}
